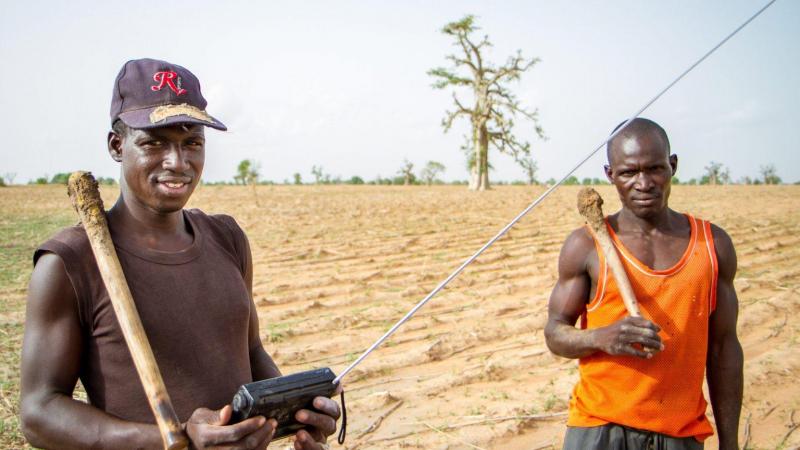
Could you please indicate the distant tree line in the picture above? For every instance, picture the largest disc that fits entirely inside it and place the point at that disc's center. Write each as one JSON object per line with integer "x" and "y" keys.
{"x": 716, "y": 174}
{"x": 574, "y": 181}
{"x": 7, "y": 179}
{"x": 248, "y": 173}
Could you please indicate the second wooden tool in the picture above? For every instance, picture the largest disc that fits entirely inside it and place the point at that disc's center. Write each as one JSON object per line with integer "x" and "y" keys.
{"x": 86, "y": 199}
{"x": 590, "y": 205}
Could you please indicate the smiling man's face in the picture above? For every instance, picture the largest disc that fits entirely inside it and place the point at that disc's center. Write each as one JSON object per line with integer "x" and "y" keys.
{"x": 641, "y": 168}
{"x": 161, "y": 166}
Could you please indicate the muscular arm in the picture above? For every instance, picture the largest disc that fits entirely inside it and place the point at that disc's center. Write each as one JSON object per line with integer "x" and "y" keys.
{"x": 51, "y": 355}
{"x": 725, "y": 361}
{"x": 568, "y": 301}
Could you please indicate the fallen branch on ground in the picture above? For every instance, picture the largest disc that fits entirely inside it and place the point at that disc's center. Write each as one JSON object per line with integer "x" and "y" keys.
{"x": 477, "y": 422}
{"x": 792, "y": 426}
{"x": 377, "y": 422}
{"x": 438, "y": 430}
{"x": 544, "y": 446}
{"x": 503, "y": 419}
{"x": 747, "y": 431}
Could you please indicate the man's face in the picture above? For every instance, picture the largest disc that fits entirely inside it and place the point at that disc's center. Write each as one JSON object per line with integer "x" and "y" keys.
{"x": 161, "y": 166}
{"x": 641, "y": 169}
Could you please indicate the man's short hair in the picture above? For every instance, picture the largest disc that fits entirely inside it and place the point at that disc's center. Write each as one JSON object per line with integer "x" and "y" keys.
{"x": 120, "y": 128}
{"x": 637, "y": 126}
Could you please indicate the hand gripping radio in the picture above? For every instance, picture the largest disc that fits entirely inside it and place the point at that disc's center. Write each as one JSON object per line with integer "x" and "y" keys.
{"x": 280, "y": 398}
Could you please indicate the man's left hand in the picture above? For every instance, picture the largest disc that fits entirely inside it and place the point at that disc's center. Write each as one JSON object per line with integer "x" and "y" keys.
{"x": 321, "y": 424}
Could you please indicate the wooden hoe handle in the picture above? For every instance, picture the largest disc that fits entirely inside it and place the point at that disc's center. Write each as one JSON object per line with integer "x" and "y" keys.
{"x": 86, "y": 200}
{"x": 590, "y": 205}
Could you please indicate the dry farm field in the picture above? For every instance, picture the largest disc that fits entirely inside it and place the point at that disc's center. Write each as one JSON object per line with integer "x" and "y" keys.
{"x": 335, "y": 266}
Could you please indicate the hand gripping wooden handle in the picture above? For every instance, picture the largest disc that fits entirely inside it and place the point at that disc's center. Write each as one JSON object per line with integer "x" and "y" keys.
{"x": 86, "y": 199}
{"x": 590, "y": 205}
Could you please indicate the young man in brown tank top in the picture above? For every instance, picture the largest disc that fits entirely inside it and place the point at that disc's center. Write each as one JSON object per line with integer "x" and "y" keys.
{"x": 641, "y": 378}
{"x": 191, "y": 276}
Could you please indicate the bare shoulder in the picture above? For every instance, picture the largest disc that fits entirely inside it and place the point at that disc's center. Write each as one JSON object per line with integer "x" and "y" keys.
{"x": 50, "y": 290}
{"x": 580, "y": 238}
{"x": 721, "y": 237}
{"x": 726, "y": 253}
{"x": 576, "y": 251}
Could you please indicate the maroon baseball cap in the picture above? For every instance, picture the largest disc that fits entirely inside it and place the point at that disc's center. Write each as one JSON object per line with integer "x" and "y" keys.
{"x": 149, "y": 93}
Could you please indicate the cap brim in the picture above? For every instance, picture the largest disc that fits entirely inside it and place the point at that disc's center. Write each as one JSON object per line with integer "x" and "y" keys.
{"x": 141, "y": 118}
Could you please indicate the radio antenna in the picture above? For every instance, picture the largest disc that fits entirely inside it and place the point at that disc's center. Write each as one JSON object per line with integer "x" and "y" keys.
{"x": 539, "y": 200}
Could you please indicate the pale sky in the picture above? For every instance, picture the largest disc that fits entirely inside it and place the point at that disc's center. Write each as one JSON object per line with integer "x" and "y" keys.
{"x": 343, "y": 84}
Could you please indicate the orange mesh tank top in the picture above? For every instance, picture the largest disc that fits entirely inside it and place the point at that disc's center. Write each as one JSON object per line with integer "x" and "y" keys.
{"x": 663, "y": 393}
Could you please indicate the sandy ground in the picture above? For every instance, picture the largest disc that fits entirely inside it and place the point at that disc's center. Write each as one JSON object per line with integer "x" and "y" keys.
{"x": 336, "y": 266}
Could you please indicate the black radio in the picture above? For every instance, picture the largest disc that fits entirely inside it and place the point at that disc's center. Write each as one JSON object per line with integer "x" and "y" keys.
{"x": 280, "y": 398}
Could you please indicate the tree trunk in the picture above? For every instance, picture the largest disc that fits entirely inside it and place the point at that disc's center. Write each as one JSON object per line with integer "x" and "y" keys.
{"x": 483, "y": 142}
{"x": 475, "y": 175}
{"x": 479, "y": 180}
{"x": 484, "y": 181}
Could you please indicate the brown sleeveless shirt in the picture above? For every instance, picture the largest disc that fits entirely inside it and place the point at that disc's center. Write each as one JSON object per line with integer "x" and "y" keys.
{"x": 195, "y": 309}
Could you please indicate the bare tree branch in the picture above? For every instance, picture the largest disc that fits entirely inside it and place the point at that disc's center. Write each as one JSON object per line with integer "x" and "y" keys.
{"x": 447, "y": 122}
{"x": 513, "y": 68}
{"x": 461, "y": 107}
{"x": 462, "y": 62}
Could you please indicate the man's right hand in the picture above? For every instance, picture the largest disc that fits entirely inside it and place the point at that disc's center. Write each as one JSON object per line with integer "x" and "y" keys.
{"x": 621, "y": 338}
{"x": 208, "y": 429}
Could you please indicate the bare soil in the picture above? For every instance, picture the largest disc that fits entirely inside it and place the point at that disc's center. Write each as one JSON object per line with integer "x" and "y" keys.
{"x": 336, "y": 266}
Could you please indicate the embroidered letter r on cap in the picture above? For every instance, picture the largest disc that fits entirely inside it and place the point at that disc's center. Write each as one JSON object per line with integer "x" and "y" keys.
{"x": 165, "y": 78}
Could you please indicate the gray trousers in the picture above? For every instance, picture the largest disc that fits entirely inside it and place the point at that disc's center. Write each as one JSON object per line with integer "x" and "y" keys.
{"x": 617, "y": 437}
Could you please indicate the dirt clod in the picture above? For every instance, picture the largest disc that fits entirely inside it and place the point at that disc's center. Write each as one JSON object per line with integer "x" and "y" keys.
{"x": 590, "y": 206}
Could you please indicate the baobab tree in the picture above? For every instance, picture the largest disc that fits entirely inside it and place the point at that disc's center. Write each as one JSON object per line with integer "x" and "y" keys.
{"x": 716, "y": 173}
{"x": 407, "y": 172}
{"x": 494, "y": 107}
{"x": 770, "y": 175}
{"x": 318, "y": 175}
{"x": 430, "y": 171}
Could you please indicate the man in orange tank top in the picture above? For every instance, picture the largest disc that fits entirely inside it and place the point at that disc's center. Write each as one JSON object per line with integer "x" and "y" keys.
{"x": 641, "y": 378}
